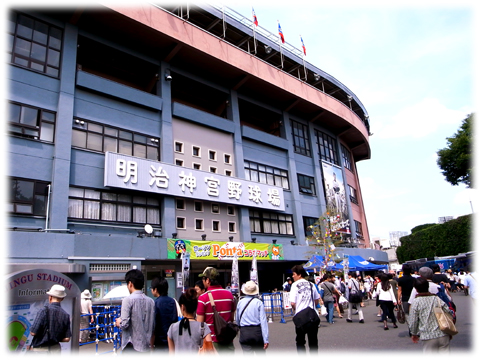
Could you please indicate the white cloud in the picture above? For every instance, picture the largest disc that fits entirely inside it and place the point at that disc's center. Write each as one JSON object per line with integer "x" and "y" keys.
{"x": 419, "y": 120}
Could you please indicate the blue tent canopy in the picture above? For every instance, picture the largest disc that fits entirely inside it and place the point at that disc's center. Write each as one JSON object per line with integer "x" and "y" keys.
{"x": 318, "y": 262}
{"x": 357, "y": 263}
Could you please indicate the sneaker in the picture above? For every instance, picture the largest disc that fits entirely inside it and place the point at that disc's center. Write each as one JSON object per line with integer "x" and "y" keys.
{"x": 348, "y": 320}
{"x": 361, "y": 321}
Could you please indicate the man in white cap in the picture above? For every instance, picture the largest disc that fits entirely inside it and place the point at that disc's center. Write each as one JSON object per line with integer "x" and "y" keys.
{"x": 251, "y": 318}
{"x": 85, "y": 320}
{"x": 54, "y": 319}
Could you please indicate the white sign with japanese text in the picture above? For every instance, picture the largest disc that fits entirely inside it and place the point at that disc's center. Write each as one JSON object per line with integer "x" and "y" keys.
{"x": 128, "y": 172}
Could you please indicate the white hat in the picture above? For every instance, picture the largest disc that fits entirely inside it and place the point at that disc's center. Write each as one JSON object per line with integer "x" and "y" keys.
{"x": 57, "y": 291}
{"x": 86, "y": 294}
{"x": 250, "y": 288}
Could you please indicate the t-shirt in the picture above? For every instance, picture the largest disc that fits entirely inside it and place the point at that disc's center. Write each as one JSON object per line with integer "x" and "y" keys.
{"x": 406, "y": 283}
{"x": 438, "y": 278}
{"x": 301, "y": 294}
{"x": 329, "y": 289}
{"x": 224, "y": 303}
{"x": 187, "y": 342}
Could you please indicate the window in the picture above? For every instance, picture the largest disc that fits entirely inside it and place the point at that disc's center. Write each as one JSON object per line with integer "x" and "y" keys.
{"x": 266, "y": 174}
{"x": 353, "y": 195}
{"x": 28, "y": 197}
{"x": 178, "y": 147}
{"x": 90, "y": 204}
{"x": 198, "y": 224}
{"x": 103, "y": 138}
{"x": 306, "y": 184}
{"x": 181, "y": 222}
{"x": 227, "y": 159}
{"x": 212, "y": 155}
{"x": 196, "y": 151}
{"x": 180, "y": 204}
{"x": 358, "y": 229}
{"x": 231, "y": 210}
{"x": 216, "y": 225}
{"x": 34, "y": 44}
{"x": 31, "y": 122}
{"x": 327, "y": 147}
{"x": 178, "y": 162}
{"x": 198, "y": 206}
{"x": 213, "y": 169}
{"x": 215, "y": 209}
{"x": 301, "y": 140}
{"x": 346, "y": 158}
{"x": 197, "y": 166}
{"x": 270, "y": 223}
{"x": 228, "y": 172}
{"x": 232, "y": 227}
{"x": 307, "y": 222}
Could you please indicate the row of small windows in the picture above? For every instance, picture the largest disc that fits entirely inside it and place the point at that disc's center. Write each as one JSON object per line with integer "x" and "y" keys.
{"x": 198, "y": 206}
{"x": 34, "y": 44}
{"x": 199, "y": 224}
{"x": 197, "y": 152}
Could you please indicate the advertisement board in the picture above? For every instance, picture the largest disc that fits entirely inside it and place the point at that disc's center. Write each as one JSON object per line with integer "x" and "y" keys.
{"x": 221, "y": 250}
{"x": 27, "y": 294}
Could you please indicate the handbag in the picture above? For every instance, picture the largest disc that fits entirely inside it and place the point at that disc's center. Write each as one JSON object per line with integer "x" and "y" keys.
{"x": 354, "y": 296}
{"x": 207, "y": 347}
{"x": 225, "y": 331}
{"x": 308, "y": 317}
{"x": 444, "y": 319}
{"x": 400, "y": 314}
{"x": 323, "y": 310}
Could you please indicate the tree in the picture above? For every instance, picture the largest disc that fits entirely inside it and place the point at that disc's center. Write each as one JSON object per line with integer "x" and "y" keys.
{"x": 456, "y": 159}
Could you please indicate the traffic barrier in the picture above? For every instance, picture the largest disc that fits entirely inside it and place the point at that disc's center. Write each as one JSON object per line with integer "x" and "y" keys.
{"x": 277, "y": 303}
{"x": 104, "y": 327}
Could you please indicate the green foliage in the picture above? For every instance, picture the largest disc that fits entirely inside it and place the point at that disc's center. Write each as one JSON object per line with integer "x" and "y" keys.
{"x": 446, "y": 239}
{"x": 422, "y": 227}
{"x": 456, "y": 159}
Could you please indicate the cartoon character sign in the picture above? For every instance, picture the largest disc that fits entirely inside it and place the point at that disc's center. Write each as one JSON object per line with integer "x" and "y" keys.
{"x": 275, "y": 252}
{"x": 180, "y": 247}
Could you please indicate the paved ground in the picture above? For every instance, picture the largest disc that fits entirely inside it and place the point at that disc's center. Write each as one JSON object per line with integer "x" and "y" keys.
{"x": 351, "y": 337}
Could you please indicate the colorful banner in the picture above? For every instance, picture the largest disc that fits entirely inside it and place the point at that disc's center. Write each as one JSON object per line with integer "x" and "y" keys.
{"x": 221, "y": 250}
{"x": 336, "y": 198}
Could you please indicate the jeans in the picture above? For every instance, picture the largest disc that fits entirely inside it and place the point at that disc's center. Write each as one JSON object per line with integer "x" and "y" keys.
{"x": 329, "y": 306}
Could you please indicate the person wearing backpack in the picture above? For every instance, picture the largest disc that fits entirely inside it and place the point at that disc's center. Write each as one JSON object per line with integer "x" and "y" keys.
{"x": 224, "y": 303}
{"x": 251, "y": 318}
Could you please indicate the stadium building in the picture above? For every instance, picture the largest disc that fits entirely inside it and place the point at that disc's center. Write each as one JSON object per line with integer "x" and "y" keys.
{"x": 136, "y": 133}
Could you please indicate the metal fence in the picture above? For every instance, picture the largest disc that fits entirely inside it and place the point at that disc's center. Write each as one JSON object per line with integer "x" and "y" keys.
{"x": 277, "y": 305}
{"x": 103, "y": 328}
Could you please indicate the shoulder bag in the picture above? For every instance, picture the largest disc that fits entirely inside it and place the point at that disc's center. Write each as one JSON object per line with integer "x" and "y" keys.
{"x": 400, "y": 313}
{"x": 308, "y": 317}
{"x": 444, "y": 319}
{"x": 225, "y": 331}
{"x": 207, "y": 346}
{"x": 354, "y": 295}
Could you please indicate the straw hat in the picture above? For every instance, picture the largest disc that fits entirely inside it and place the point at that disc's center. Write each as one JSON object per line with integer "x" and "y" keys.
{"x": 250, "y": 288}
{"x": 86, "y": 294}
{"x": 57, "y": 291}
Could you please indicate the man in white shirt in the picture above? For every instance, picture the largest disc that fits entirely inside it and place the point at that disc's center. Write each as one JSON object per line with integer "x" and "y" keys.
{"x": 470, "y": 282}
{"x": 303, "y": 294}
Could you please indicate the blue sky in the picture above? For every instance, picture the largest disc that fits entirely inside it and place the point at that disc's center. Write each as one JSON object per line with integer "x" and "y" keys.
{"x": 413, "y": 69}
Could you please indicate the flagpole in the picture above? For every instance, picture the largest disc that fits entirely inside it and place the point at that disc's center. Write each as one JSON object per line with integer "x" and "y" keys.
{"x": 303, "y": 58}
{"x": 254, "y": 25}
{"x": 280, "y": 43}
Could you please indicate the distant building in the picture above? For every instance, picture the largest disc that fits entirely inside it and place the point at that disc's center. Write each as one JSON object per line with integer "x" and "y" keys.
{"x": 444, "y": 219}
{"x": 395, "y": 237}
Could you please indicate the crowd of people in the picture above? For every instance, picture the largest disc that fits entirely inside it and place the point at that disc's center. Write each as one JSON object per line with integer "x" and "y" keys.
{"x": 165, "y": 325}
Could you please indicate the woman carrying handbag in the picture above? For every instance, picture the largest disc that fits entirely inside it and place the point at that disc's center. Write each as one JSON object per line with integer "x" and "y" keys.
{"x": 387, "y": 300}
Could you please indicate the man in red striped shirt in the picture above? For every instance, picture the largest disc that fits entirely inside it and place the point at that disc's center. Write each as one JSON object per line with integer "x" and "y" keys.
{"x": 224, "y": 303}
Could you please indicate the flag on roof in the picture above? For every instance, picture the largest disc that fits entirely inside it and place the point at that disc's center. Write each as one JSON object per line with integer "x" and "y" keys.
{"x": 280, "y": 33}
{"x": 303, "y": 46}
{"x": 255, "y": 20}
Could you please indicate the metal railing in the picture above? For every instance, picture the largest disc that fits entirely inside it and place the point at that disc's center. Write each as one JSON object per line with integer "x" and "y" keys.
{"x": 103, "y": 327}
